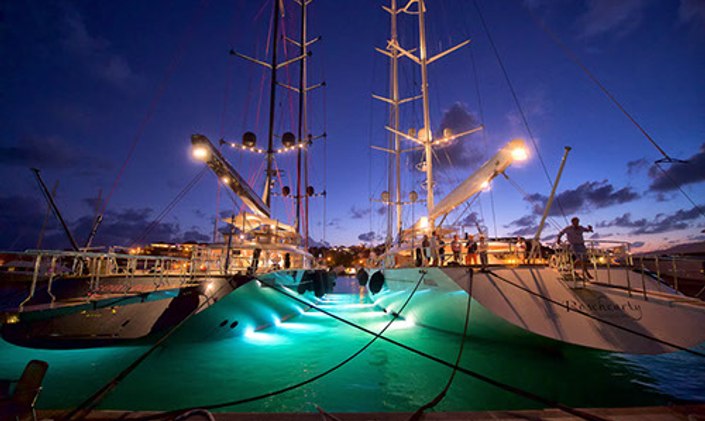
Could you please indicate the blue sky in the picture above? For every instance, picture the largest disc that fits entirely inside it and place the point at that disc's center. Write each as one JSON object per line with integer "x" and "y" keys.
{"x": 83, "y": 82}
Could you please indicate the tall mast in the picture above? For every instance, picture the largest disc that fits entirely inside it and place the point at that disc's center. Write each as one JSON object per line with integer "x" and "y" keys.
{"x": 394, "y": 179}
{"x": 303, "y": 116}
{"x": 428, "y": 138}
{"x": 272, "y": 91}
{"x": 424, "y": 137}
{"x": 301, "y": 122}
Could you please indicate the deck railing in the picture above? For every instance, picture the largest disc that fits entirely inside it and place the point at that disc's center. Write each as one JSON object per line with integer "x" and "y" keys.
{"x": 48, "y": 265}
{"x": 684, "y": 274}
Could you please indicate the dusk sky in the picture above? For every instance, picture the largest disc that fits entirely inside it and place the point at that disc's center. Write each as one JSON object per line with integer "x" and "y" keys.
{"x": 96, "y": 91}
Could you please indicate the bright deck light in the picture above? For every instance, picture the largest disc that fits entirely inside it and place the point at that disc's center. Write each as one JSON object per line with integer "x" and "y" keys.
{"x": 485, "y": 185}
{"x": 200, "y": 153}
{"x": 423, "y": 222}
{"x": 519, "y": 154}
{"x": 225, "y": 179}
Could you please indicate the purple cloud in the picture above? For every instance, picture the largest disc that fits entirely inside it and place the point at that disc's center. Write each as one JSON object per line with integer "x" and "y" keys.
{"x": 667, "y": 178}
{"x": 591, "y": 194}
{"x": 678, "y": 220}
{"x": 611, "y": 17}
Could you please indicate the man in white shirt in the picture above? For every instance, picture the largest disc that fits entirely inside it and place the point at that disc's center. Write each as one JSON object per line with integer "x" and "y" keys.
{"x": 574, "y": 234}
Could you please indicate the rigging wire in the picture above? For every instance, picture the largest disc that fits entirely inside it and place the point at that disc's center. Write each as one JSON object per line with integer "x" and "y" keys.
{"x": 418, "y": 414}
{"x": 152, "y": 109}
{"x": 678, "y": 186}
{"x": 85, "y": 407}
{"x": 504, "y": 386}
{"x": 170, "y": 206}
{"x": 516, "y": 101}
{"x": 575, "y": 59}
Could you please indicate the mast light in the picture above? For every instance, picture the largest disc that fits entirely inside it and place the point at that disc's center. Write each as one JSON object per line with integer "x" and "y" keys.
{"x": 200, "y": 153}
{"x": 519, "y": 154}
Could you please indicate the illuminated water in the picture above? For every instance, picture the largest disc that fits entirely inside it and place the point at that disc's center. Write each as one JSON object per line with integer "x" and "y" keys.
{"x": 383, "y": 378}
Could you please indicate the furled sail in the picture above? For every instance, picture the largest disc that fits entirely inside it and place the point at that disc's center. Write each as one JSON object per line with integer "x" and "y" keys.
{"x": 204, "y": 150}
{"x": 512, "y": 151}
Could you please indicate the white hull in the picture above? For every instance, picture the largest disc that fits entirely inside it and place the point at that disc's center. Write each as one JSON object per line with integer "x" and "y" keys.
{"x": 613, "y": 313}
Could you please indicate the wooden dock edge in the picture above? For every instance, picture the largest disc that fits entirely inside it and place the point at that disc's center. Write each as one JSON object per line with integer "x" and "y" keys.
{"x": 649, "y": 413}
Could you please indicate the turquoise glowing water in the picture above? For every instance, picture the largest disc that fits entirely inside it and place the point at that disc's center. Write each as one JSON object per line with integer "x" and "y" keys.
{"x": 383, "y": 378}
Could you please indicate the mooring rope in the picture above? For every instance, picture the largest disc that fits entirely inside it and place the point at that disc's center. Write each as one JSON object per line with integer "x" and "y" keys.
{"x": 504, "y": 386}
{"x": 85, "y": 407}
{"x": 435, "y": 401}
{"x": 376, "y": 335}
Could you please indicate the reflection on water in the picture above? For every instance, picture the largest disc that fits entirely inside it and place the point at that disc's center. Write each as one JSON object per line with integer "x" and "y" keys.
{"x": 383, "y": 378}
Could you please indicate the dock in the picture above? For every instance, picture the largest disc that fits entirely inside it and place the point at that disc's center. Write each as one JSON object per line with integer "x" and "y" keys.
{"x": 649, "y": 413}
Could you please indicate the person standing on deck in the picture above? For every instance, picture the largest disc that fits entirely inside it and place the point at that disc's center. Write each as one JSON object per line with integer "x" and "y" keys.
{"x": 426, "y": 245}
{"x": 520, "y": 249}
{"x": 455, "y": 247}
{"x": 471, "y": 257}
{"x": 434, "y": 249}
{"x": 482, "y": 248}
{"x": 574, "y": 234}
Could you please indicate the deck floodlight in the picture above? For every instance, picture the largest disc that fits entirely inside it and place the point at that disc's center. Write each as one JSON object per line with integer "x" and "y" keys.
{"x": 519, "y": 154}
{"x": 288, "y": 140}
{"x": 249, "y": 139}
{"x": 201, "y": 153}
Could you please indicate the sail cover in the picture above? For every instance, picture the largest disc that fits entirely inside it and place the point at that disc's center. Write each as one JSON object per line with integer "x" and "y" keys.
{"x": 514, "y": 150}
{"x": 204, "y": 150}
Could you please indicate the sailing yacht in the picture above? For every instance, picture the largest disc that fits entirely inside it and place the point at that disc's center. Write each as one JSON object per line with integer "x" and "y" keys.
{"x": 81, "y": 299}
{"x": 624, "y": 308}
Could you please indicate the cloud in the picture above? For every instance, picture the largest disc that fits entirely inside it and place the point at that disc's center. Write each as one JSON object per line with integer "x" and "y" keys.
{"x": 611, "y": 17}
{"x": 463, "y": 152}
{"x": 526, "y": 226}
{"x": 591, "y": 194}
{"x": 679, "y": 174}
{"x": 21, "y": 219}
{"x": 193, "y": 235}
{"x": 692, "y": 11}
{"x": 636, "y": 166}
{"x": 678, "y": 220}
{"x": 535, "y": 103}
{"x": 367, "y": 237}
{"x": 50, "y": 153}
{"x": 356, "y": 213}
{"x": 472, "y": 219}
{"x": 95, "y": 52}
